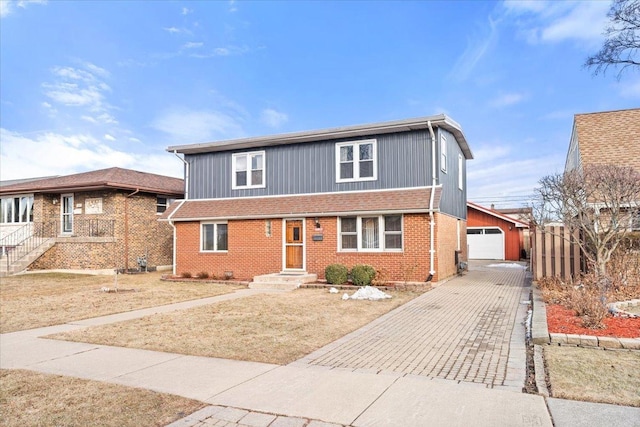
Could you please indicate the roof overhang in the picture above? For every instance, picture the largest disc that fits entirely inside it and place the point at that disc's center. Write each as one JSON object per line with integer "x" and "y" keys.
{"x": 441, "y": 121}
{"x": 515, "y": 222}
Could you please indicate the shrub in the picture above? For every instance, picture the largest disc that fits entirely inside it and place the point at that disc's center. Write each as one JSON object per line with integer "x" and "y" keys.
{"x": 336, "y": 274}
{"x": 380, "y": 278}
{"x": 186, "y": 275}
{"x": 362, "y": 274}
{"x": 202, "y": 275}
{"x": 589, "y": 302}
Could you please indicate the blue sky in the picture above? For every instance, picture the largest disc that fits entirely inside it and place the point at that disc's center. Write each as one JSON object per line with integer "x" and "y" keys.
{"x": 87, "y": 85}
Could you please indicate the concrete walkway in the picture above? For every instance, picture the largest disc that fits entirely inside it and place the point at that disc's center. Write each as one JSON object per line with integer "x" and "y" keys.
{"x": 452, "y": 357}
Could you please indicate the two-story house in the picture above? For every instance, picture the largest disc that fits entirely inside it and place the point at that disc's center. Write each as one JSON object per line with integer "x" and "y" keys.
{"x": 392, "y": 195}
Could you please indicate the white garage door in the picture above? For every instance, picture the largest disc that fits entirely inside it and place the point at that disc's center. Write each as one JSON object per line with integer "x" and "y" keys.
{"x": 485, "y": 243}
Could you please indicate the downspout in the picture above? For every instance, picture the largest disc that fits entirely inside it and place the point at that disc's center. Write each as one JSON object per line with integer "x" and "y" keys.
{"x": 186, "y": 175}
{"x": 432, "y": 224}
{"x": 175, "y": 237}
{"x": 126, "y": 229}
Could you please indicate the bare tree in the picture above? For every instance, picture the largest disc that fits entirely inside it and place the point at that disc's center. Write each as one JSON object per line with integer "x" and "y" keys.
{"x": 599, "y": 202}
{"x": 622, "y": 44}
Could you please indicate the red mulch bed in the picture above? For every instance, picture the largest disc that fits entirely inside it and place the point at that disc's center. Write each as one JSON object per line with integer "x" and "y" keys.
{"x": 564, "y": 321}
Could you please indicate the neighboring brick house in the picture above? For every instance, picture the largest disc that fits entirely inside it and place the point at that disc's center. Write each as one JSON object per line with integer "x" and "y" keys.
{"x": 104, "y": 219}
{"x": 493, "y": 235}
{"x": 607, "y": 138}
{"x": 391, "y": 194}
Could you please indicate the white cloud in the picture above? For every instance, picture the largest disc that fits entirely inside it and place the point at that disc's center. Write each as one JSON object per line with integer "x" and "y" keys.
{"x": 556, "y": 21}
{"x": 81, "y": 87}
{"x": 109, "y": 137}
{"x": 222, "y": 51}
{"x": 6, "y": 6}
{"x": 232, "y": 6}
{"x": 172, "y": 30}
{"x": 23, "y": 156}
{"x": 507, "y": 99}
{"x": 132, "y": 139}
{"x": 186, "y": 11}
{"x": 186, "y": 126}
{"x": 273, "y": 118}
{"x": 192, "y": 45}
{"x": 476, "y": 49}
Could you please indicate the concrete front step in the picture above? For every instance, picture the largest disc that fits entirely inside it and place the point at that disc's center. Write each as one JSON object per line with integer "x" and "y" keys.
{"x": 283, "y": 281}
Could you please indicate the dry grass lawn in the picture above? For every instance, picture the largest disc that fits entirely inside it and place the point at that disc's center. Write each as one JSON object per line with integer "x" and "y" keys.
{"x": 37, "y": 300}
{"x": 34, "y": 399}
{"x": 276, "y": 328}
{"x": 594, "y": 375}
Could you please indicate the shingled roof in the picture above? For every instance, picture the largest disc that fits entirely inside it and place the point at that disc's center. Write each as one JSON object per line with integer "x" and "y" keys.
{"x": 114, "y": 178}
{"x": 327, "y": 204}
{"x": 610, "y": 137}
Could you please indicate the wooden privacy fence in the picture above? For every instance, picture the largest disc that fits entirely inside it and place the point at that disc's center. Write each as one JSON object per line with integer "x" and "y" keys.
{"x": 555, "y": 253}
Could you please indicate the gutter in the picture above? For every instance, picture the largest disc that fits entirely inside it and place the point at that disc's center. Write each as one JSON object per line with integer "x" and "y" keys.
{"x": 186, "y": 174}
{"x": 432, "y": 250}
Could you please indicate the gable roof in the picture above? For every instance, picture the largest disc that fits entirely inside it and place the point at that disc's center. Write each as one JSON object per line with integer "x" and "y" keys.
{"x": 609, "y": 137}
{"x": 114, "y": 178}
{"x": 496, "y": 214}
{"x": 325, "y": 204}
{"x": 440, "y": 120}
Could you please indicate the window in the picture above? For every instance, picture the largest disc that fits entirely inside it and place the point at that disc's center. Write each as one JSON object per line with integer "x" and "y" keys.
{"x": 162, "y": 203}
{"x": 460, "y": 175}
{"x": 214, "y": 237}
{"x": 16, "y": 209}
{"x": 248, "y": 170}
{"x": 356, "y": 161}
{"x": 443, "y": 153}
{"x": 371, "y": 233}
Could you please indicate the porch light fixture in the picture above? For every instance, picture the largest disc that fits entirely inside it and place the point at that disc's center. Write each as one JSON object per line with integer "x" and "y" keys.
{"x": 317, "y": 221}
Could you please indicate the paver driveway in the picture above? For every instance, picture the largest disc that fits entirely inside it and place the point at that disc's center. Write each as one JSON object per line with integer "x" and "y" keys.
{"x": 468, "y": 329}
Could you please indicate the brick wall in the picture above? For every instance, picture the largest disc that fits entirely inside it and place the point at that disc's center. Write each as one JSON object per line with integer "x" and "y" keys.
{"x": 252, "y": 253}
{"x": 136, "y": 234}
{"x": 447, "y": 244}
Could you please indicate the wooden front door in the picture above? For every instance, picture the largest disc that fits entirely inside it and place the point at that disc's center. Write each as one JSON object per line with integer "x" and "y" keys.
{"x": 294, "y": 244}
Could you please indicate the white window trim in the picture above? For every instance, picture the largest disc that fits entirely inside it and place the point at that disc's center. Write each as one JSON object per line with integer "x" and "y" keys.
{"x": 248, "y": 155}
{"x": 460, "y": 174}
{"x": 215, "y": 236}
{"x": 29, "y": 206}
{"x": 443, "y": 153}
{"x": 381, "y": 234}
{"x": 356, "y": 162}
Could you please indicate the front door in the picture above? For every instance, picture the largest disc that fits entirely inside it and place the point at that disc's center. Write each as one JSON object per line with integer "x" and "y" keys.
{"x": 67, "y": 213}
{"x": 294, "y": 244}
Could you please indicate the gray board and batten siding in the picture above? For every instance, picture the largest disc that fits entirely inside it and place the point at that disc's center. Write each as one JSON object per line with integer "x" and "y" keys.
{"x": 453, "y": 200}
{"x": 404, "y": 161}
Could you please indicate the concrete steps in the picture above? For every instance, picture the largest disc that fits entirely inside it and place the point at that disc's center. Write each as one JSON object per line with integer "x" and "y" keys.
{"x": 282, "y": 281}
{"x": 24, "y": 260}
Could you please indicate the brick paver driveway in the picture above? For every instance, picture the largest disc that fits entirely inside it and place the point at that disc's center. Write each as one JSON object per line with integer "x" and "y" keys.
{"x": 468, "y": 329}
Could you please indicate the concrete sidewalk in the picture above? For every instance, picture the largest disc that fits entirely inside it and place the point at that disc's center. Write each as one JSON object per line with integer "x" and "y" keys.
{"x": 314, "y": 393}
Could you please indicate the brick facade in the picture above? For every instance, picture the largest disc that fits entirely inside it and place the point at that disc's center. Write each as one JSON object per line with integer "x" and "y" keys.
{"x": 252, "y": 251}
{"x": 136, "y": 232}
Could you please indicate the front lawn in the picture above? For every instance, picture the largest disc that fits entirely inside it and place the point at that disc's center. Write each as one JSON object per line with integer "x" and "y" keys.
{"x": 36, "y": 300}
{"x": 275, "y": 328}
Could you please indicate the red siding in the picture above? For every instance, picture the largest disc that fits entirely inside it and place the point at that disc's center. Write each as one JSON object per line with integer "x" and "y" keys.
{"x": 512, "y": 239}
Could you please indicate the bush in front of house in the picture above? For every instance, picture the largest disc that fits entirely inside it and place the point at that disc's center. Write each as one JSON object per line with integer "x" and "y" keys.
{"x": 202, "y": 275}
{"x": 336, "y": 274}
{"x": 362, "y": 274}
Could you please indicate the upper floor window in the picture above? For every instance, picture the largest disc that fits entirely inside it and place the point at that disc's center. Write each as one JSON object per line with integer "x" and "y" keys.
{"x": 162, "y": 203}
{"x": 443, "y": 153}
{"x": 460, "y": 172}
{"x": 214, "y": 237}
{"x": 16, "y": 209}
{"x": 371, "y": 233}
{"x": 356, "y": 161}
{"x": 248, "y": 170}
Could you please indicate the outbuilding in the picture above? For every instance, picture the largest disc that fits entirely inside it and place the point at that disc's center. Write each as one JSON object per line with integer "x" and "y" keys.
{"x": 493, "y": 235}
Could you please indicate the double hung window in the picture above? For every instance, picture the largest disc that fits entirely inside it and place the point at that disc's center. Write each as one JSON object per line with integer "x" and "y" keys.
{"x": 214, "y": 237}
{"x": 248, "y": 170}
{"x": 371, "y": 233}
{"x": 356, "y": 161}
{"x": 443, "y": 153}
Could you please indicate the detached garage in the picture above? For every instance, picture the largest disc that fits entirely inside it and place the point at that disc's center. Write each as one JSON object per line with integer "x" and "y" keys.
{"x": 492, "y": 235}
